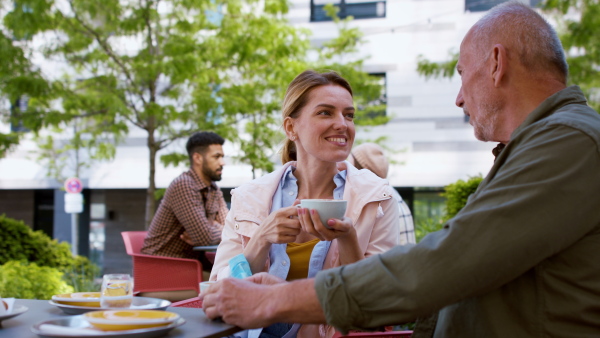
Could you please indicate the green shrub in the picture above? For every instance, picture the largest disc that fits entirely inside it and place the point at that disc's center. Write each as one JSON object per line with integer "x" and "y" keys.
{"x": 19, "y": 243}
{"x": 21, "y": 279}
{"x": 457, "y": 194}
{"x": 425, "y": 226}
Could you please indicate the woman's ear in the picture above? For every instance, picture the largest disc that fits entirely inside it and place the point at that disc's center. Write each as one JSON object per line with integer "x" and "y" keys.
{"x": 288, "y": 127}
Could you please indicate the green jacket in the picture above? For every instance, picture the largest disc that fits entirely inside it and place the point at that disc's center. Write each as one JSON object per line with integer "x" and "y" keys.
{"x": 521, "y": 259}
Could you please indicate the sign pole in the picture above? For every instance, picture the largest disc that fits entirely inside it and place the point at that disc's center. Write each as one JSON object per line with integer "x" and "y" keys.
{"x": 74, "y": 233}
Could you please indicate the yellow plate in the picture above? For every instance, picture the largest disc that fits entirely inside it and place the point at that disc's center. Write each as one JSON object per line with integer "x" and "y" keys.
{"x": 117, "y": 320}
{"x": 87, "y": 299}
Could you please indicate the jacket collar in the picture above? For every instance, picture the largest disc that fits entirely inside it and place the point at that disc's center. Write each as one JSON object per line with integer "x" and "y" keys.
{"x": 569, "y": 95}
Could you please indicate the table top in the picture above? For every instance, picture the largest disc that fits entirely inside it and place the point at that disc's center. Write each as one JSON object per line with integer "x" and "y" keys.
{"x": 206, "y": 248}
{"x": 196, "y": 324}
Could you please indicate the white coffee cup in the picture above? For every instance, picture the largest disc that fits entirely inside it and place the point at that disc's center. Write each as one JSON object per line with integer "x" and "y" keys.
{"x": 205, "y": 285}
{"x": 327, "y": 209}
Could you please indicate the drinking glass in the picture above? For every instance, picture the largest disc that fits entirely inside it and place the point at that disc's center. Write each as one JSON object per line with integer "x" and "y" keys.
{"x": 117, "y": 291}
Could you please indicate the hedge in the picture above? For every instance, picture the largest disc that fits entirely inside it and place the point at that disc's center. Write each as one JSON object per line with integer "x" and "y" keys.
{"x": 20, "y": 243}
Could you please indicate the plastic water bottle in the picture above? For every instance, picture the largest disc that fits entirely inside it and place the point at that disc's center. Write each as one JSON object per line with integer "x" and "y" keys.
{"x": 239, "y": 266}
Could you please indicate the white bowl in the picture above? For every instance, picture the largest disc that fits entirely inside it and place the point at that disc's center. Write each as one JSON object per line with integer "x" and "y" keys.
{"x": 116, "y": 320}
{"x": 89, "y": 299}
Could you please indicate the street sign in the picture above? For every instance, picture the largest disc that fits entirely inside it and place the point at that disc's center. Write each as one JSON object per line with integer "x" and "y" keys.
{"x": 74, "y": 206}
{"x": 73, "y": 203}
{"x": 73, "y": 185}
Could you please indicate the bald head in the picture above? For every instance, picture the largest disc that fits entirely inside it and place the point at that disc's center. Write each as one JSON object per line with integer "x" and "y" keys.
{"x": 526, "y": 36}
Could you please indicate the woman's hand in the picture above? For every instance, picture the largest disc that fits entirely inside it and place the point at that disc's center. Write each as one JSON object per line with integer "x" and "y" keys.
{"x": 341, "y": 229}
{"x": 281, "y": 226}
{"x": 311, "y": 223}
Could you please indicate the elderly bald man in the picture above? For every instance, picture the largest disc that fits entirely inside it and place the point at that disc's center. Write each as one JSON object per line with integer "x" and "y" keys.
{"x": 521, "y": 259}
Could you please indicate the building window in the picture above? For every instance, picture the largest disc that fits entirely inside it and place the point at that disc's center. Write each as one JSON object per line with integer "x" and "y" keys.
{"x": 485, "y": 5}
{"x": 358, "y": 9}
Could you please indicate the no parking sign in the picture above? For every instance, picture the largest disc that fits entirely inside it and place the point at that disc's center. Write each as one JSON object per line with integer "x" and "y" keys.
{"x": 73, "y": 185}
{"x": 73, "y": 197}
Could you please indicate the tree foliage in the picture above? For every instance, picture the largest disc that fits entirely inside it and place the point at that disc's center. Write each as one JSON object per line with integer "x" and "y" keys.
{"x": 435, "y": 70}
{"x": 579, "y": 33}
{"x": 18, "y": 79}
{"x": 170, "y": 68}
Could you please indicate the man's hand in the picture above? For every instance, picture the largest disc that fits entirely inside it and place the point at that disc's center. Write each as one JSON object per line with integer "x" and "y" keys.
{"x": 186, "y": 238}
{"x": 242, "y": 302}
{"x": 262, "y": 300}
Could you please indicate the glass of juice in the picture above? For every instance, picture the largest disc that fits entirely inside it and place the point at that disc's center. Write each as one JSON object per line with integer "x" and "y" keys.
{"x": 117, "y": 291}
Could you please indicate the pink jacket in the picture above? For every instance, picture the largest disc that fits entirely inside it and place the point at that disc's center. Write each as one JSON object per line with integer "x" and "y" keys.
{"x": 370, "y": 206}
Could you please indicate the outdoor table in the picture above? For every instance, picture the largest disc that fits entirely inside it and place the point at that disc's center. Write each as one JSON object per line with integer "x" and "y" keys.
{"x": 196, "y": 324}
{"x": 206, "y": 248}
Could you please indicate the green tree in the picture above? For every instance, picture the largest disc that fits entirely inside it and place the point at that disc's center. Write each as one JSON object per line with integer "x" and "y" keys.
{"x": 580, "y": 37}
{"x": 18, "y": 80}
{"x": 169, "y": 68}
{"x": 579, "y": 33}
{"x": 257, "y": 99}
{"x": 339, "y": 54}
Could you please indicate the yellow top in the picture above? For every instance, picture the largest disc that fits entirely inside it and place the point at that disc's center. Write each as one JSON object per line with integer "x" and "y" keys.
{"x": 299, "y": 254}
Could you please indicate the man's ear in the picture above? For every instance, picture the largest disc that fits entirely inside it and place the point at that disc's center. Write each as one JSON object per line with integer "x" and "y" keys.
{"x": 498, "y": 64}
{"x": 197, "y": 158}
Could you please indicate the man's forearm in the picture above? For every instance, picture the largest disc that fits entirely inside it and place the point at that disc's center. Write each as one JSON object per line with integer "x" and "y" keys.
{"x": 296, "y": 302}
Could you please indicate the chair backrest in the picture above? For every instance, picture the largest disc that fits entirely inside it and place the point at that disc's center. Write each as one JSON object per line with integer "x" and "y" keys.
{"x": 134, "y": 240}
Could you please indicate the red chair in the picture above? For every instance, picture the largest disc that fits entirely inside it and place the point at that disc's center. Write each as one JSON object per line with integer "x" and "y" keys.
{"x": 192, "y": 303}
{"x": 158, "y": 273}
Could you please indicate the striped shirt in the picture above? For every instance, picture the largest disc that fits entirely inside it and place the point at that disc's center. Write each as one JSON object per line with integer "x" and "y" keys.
{"x": 188, "y": 205}
{"x": 407, "y": 227}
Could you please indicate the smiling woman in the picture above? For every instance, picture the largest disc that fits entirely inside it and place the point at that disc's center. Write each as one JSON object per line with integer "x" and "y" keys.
{"x": 318, "y": 119}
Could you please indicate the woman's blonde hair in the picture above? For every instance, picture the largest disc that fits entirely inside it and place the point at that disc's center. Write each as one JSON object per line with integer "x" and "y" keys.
{"x": 296, "y": 98}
